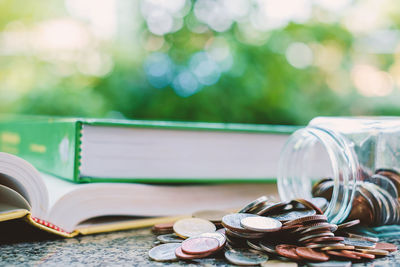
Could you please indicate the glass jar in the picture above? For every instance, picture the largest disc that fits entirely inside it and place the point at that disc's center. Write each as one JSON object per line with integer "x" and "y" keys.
{"x": 352, "y": 162}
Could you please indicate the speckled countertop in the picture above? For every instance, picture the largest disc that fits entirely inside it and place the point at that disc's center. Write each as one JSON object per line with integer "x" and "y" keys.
{"x": 126, "y": 248}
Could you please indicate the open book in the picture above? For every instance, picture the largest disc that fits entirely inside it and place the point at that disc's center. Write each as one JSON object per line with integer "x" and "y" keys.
{"x": 69, "y": 209}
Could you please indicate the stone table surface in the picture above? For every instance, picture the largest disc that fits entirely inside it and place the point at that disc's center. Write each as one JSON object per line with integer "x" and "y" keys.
{"x": 125, "y": 248}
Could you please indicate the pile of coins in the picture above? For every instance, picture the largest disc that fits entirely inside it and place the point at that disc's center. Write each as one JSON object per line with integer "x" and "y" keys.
{"x": 267, "y": 233}
{"x": 376, "y": 200}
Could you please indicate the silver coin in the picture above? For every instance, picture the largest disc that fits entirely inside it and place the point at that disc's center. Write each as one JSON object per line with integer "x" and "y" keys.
{"x": 220, "y": 237}
{"x": 232, "y": 221}
{"x": 304, "y": 238}
{"x": 253, "y": 204}
{"x": 164, "y": 252}
{"x": 245, "y": 257}
{"x": 358, "y": 243}
{"x": 331, "y": 227}
{"x": 253, "y": 245}
{"x": 279, "y": 263}
{"x": 368, "y": 238}
{"x": 193, "y": 226}
{"x": 169, "y": 238}
{"x": 293, "y": 215}
{"x": 245, "y": 235}
{"x": 330, "y": 264}
{"x": 261, "y": 224}
{"x": 268, "y": 246}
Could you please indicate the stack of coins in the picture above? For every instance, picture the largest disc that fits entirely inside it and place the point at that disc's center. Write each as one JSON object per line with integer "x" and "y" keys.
{"x": 376, "y": 200}
{"x": 268, "y": 233}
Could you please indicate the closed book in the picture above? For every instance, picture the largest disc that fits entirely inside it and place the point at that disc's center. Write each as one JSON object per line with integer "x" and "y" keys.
{"x": 68, "y": 209}
{"x": 108, "y": 150}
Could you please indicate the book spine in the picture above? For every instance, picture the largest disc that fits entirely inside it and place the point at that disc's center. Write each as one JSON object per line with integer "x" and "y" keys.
{"x": 49, "y": 145}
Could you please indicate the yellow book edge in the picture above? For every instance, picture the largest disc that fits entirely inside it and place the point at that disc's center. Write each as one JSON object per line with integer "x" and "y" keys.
{"x": 95, "y": 229}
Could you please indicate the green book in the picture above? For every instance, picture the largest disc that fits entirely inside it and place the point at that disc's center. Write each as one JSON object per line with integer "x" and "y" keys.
{"x": 109, "y": 150}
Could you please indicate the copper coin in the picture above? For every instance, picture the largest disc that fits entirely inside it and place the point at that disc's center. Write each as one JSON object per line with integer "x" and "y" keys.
{"x": 338, "y": 247}
{"x": 314, "y": 245}
{"x": 306, "y": 219}
{"x": 343, "y": 254}
{"x": 386, "y": 246}
{"x": 163, "y": 228}
{"x": 348, "y": 224}
{"x": 200, "y": 245}
{"x": 312, "y": 255}
{"x": 309, "y": 205}
{"x": 232, "y": 221}
{"x": 327, "y": 239}
{"x": 182, "y": 255}
{"x": 272, "y": 209}
{"x": 363, "y": 255}
{"x": 288, "y": 251}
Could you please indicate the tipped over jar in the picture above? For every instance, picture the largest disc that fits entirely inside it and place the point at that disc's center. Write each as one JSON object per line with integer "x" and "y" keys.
{"x": 353, "y": 162}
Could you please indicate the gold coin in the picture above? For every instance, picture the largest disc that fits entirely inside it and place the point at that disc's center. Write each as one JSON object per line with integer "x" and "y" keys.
{"x": 210, "y": 215}
{"x": 338, "y": 248}
{"x": 193, "y": 226}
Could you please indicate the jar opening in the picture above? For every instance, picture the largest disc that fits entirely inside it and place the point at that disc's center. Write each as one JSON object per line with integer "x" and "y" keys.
{"x": 312, "y": 154}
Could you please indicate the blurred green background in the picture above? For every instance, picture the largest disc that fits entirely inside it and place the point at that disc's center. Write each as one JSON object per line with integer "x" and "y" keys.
{"x": 248, "y": 61}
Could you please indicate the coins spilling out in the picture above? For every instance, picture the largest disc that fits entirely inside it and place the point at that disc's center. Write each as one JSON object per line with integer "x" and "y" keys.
{"x": 267, "y": 233}
{"x": 376, "y": 201}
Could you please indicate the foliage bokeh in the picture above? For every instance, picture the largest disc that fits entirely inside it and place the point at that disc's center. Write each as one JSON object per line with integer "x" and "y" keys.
{"x": 122, "y": 59}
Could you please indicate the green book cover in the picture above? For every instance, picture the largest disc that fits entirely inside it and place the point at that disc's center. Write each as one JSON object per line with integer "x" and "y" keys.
{"x": 54, "y": 145}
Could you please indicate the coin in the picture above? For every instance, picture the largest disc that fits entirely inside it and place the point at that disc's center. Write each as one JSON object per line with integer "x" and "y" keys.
{"x": 343, "y": 254}
{"x": 200, "y": 245}
{"x": 368, "y": 238}
{"x": 327, "y": 239}
{"x": 308, "y": 237}
{"x": 163, "y": 228}
{"x": 254, "y": 246}
{"x": 358, "y": 243}
{"x": 310, "y": 254}
{"x": 278, "y": 263}
{"x": 377, "y": 252}
{"x": 254, "y": 204}
{"x": 214, "y": 216}
{"x": 292, "y": 215}
{"x": 330, "y": 264}
{"x": 386, "y": 246}
{"x": 261, "y": 224}
{"x": 314, "y": 245}
{"x": 272, "y": 208}
{"x": 288, "y": 251}
{"x": 268, "y": 246}
{"x": 306, "y": 219}
{"x": 245, "y": 257}
{"x": 184, "y": 256}
{"x": 192, "y": 227}
{"x": 232, "y": 221}
{"x": 246, "y": 235}
{"x": 220, "y": 237}
{"x": 327, "y": 226}
{"x": 308, "y": 204}
{"x": 169, "y": 238}
{"x": 338, "y": 247}
{"x": 164, "y": 252}
{"x": 363, "y": 255}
